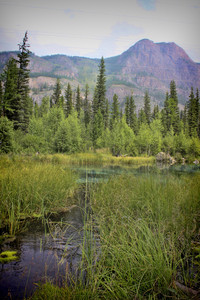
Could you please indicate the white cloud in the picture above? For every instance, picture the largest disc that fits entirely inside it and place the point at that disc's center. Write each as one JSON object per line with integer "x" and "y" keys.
{"x": 96, "y": 28}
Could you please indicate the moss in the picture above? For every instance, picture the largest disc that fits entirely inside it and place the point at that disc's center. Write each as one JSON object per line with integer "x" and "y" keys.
{"x": 8, "y": 256}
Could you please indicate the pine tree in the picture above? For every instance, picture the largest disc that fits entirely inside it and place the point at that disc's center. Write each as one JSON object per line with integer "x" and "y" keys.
{"x": 107, "y": 114}
{"x": 23, "y": 85}
{"x": 156, "y": 113}
{"x": 11, "y": 100}
{"x": 94, "y": 103}
{"x": 192, "y": 113}
{"x": 57, "y": 93}
{"x": 127, "y": 110}
{"x": 101, "y": 88}
{"x": 78, "y": 101}
{"x": 114, "y": 110}
{"x": 132, "y": 115}
{"x": 1, "y": 99}
{"x": 68, "y": 97}
{"x": 173, "y": 108}
{"x": 147, "y": 107}
{"x": 87, "y": 107}
{"x": 141, "y": 118}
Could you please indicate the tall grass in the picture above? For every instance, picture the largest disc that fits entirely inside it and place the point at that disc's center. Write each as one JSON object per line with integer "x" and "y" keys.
{"x": 146, "y": 226}
{"x": 29, "y": 188}
{"x": 91, "y": 158}
{"x": 143, "y": 229}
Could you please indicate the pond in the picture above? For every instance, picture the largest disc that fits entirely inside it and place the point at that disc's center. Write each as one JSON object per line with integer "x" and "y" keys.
{"x": 52, "y": 249}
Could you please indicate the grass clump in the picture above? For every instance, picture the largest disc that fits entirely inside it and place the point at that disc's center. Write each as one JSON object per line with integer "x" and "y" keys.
{"x": 30, "y": 188}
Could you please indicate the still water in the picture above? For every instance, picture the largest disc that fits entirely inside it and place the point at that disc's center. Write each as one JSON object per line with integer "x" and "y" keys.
{"x": 53, "y": 249}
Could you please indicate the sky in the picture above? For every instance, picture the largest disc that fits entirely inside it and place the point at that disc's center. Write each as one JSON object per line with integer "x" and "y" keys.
{"x": 94, "y": 29}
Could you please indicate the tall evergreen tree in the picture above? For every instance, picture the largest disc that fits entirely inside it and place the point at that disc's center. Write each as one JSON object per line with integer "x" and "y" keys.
{"x": 68, "y": 97}
{"x": 78, "y": 101}
{"x": 155, "y": 114}
{"x": 101, "y": 88}
{"x": 57, "y": 93}
{"x": 1, "y": 99}
{"x": 11, "y": 100}
{"x": 23, "y": 84}
{"x": 147, "y": 107}
{"x": 127, "y": 110}
{"x": 173, "y": 108}
{"x": 107, "y": 114}
{"x": 133, "y": 123}
{"x": 114, "y": 110}
{"x": 87, "y": 107}
{"x": 193, "y": 113}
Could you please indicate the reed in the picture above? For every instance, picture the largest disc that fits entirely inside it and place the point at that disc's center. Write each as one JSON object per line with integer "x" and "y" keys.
{"x": 144, "y": 228}
{"x": 29, "y": 188}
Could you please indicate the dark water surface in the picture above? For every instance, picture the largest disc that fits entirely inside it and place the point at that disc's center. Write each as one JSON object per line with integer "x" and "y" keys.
{"x": 52, "y": 249}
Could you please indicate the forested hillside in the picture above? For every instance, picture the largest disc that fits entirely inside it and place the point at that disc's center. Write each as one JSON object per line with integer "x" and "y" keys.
{"x": 78, "y": 121}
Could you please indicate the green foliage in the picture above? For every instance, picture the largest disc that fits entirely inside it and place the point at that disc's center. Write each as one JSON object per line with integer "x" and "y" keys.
{"x": 68, "y": 136}
{"x": 6, "y": 135}
{"x": 122, "y": 139}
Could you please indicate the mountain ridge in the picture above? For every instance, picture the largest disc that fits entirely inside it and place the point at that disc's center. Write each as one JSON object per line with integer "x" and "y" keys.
{"x": 144, "y": 66}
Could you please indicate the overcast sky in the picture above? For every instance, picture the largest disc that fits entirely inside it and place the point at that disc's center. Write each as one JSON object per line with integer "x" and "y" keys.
{"x": 98, "y": 28}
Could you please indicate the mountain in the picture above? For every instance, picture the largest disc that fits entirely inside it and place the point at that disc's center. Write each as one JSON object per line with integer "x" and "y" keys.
{"x": 144, "y": 66}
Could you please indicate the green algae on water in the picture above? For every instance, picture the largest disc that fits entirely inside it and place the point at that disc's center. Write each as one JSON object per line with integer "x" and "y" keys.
{"x": 8, "y": 256}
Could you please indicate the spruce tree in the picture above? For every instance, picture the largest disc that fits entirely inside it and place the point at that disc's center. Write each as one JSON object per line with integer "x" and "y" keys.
{"x": 101, "y": 89}
{"x": 173, "y": 108}
{"x": 23, "y": 85}
{"x": 11, "y": 99}
{"x": 155, "y": 114}
{"x": 87, "y": 107}
{"x": 147, "y": 107}
{"x": 132, "y": 115}
{"x": 127, "y": 110}
{"x": 68, "y": 97}
{"x": 1, "y": 99}
{"x": 114, "y": 110}
{"x": 192, "y": 113}
{"x": 57, "y": 93}
{"x": 78, "y": 101}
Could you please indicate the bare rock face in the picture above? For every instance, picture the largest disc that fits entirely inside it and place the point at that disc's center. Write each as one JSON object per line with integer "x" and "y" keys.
{"x": 144, "y": 66}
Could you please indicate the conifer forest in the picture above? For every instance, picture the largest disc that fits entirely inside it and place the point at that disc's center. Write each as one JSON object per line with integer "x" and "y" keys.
{"x": 72, "y": 123}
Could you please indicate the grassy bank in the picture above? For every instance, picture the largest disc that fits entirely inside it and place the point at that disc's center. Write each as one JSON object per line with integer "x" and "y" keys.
{"x": 147, "y": 229}
{"x": 32, "y": 188}
{"x": 87, "y": 159}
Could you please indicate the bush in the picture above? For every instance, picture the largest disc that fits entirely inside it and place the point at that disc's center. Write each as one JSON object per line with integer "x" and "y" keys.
{"x": 6, "y": 135}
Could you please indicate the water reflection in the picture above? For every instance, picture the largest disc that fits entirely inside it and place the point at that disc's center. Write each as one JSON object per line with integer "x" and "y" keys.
{"x": 50, "y": 250}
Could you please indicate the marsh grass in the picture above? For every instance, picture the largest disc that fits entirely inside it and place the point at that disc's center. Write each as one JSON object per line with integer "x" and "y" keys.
{"x": 146, "y": 226}
{"x": 29, "y": 188}
{"x": 94, "y": 159}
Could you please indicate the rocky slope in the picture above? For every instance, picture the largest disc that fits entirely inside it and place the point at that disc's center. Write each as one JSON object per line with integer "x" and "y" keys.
{"x": 144, "y": 66}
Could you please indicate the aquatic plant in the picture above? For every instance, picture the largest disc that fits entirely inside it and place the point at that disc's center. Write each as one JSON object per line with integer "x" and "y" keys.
{"x": 8, "y": 256}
